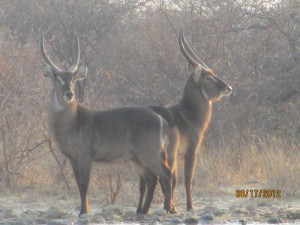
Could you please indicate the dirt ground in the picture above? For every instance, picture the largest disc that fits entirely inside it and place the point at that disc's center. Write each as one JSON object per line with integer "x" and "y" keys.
{"x": 221, "y": 207}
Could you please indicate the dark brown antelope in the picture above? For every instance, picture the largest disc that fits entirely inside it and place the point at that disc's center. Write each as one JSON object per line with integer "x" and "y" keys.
{"x": 189, "y": 119}
{"x": 134, "y": 134}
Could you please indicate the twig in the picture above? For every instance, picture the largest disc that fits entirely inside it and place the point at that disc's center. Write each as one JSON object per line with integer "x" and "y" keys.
{"x": 59, "y": 164}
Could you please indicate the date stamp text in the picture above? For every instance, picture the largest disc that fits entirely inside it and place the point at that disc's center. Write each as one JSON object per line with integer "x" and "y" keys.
{"x": 258, "y": 193}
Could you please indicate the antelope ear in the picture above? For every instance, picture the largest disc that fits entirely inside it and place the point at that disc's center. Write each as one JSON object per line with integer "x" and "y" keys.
{"x": 197, "y": 73}
{"x": 80, "y": 74}
{"x": 48, "y": 72}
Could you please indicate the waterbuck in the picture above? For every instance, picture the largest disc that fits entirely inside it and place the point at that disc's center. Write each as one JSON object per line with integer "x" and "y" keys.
{"x": 189, "y": 119}
{"x": 130, "y": 134}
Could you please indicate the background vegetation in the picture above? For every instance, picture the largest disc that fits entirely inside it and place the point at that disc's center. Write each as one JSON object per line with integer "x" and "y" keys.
{"x": 132, "y": 53}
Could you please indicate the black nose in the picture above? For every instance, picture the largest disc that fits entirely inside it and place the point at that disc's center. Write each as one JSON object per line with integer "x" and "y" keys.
{"x": 69, "y": 95}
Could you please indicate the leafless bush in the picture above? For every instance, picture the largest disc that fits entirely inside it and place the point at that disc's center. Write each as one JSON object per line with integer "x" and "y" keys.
{"x": 133, "y": 58}
{"x": 109, "y": 180}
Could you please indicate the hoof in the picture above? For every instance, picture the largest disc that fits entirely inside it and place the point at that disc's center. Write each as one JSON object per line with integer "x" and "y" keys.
{"x": 190, "y": 208}
{"x": 172, "y": 210}
{"x": 82, "y": 215}
{"x": 142, "y": 212}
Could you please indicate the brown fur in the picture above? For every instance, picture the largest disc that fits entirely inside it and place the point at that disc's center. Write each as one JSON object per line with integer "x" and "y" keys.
{"x": 189, "y": 119}
{"x": 84, "y": 135}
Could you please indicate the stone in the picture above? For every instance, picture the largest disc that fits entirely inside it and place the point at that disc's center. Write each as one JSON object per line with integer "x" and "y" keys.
{"x": 241, "y": 211}
{"x": 8, "y": 214}
{"x": 54, "y": 213}
{"x": 83, "y": 222}
{"x": 129, "y": 216}
{"x": 262, "y": 204}
{"x": 145, "y": 218}
{"x": 113, "y": 209}
{"x": 85, "y": 216}
{"x": 18, "y": 222}
{"x": 295, "y": 215}
{"x": 159, "y": 212}
{"x": 207, "y": 216}
{"x": 114, "y": 218}
{"x": 251, "y": 208}
{"x": 190, "y": 220}
{"x": 59, "y": 222}
{"x": 173, "y": 220}
{"x": 41, "y": 220}
{"x": 274, "y": 220}
{"x": 218, "y": 212}
{"x": 98, "y": 218}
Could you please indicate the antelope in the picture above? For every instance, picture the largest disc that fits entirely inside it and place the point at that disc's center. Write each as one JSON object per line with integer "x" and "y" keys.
{"x": 189, "y": 119}
{"x": 130, "y": 134}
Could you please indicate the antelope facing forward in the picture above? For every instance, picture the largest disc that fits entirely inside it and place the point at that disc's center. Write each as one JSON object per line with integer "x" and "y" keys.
{"x": 134, "y": 134}
{"x": 189, "y": 119}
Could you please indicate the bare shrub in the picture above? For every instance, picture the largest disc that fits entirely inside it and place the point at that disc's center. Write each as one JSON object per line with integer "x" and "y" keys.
{"x": 109, "y": 180}
{"x": 19, "y": 138}
{"x": 133, "y": 58}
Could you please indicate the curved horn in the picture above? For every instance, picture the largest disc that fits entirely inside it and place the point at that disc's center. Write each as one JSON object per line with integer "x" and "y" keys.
{"x": 184, "y": 51}
{"x": 191, "y": 52}
{"x": 46, "y": 58}
{"x": 75, "y": 63}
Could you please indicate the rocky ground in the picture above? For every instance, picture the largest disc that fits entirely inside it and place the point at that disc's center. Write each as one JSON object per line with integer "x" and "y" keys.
{"x": 211, "y": 208}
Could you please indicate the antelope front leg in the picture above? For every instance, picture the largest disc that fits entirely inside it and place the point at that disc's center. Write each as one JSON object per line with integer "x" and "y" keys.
{"x": 82, "y": 170}
{"x": 142, "y": 193}
{"x": 189, "y": 165}
{"x": 174, "y": 183}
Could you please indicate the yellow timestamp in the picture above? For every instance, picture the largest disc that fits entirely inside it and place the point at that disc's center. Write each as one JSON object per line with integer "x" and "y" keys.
{"x": 258, "y": 193}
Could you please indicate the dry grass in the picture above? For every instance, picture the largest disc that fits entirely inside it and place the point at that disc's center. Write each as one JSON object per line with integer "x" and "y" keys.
{"x": 274, "y": 163}
{"x": 281, "y": 167}
{"x": 241, "y": 155}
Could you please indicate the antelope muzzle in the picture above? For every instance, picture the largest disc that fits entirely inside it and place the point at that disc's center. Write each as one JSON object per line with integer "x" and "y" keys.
{"x": 68, "y": 96}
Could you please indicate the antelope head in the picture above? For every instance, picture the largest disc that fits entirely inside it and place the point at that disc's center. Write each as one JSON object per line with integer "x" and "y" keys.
{"x": 211, "y": 87}
{"x": 63, "y": 80}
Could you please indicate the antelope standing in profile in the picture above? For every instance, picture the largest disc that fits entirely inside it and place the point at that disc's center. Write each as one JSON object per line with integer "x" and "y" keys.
{"x": 134, "y": 134}
{"x": 189, "y": 119}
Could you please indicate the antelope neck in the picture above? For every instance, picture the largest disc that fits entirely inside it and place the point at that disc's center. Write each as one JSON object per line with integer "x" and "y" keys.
{"x": 204, "y": 95}
{"x": 196, "y": 106}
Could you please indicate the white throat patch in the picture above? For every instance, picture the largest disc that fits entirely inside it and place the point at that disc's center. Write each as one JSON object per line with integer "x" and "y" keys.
{"x": 57, "y": 105}
{"x": 204, "y": 94}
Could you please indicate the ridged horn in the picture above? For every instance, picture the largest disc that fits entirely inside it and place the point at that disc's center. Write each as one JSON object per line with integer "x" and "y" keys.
{"x": 55, "y": 68}
{"x": 184, "y": 51}
{"x": 75, "y": 63}
{"x": 190, "y": 52}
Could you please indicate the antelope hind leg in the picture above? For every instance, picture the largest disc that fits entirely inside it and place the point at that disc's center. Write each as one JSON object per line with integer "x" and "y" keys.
{"x": 151, "y": 180}
{"x": 142, "y": 193}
